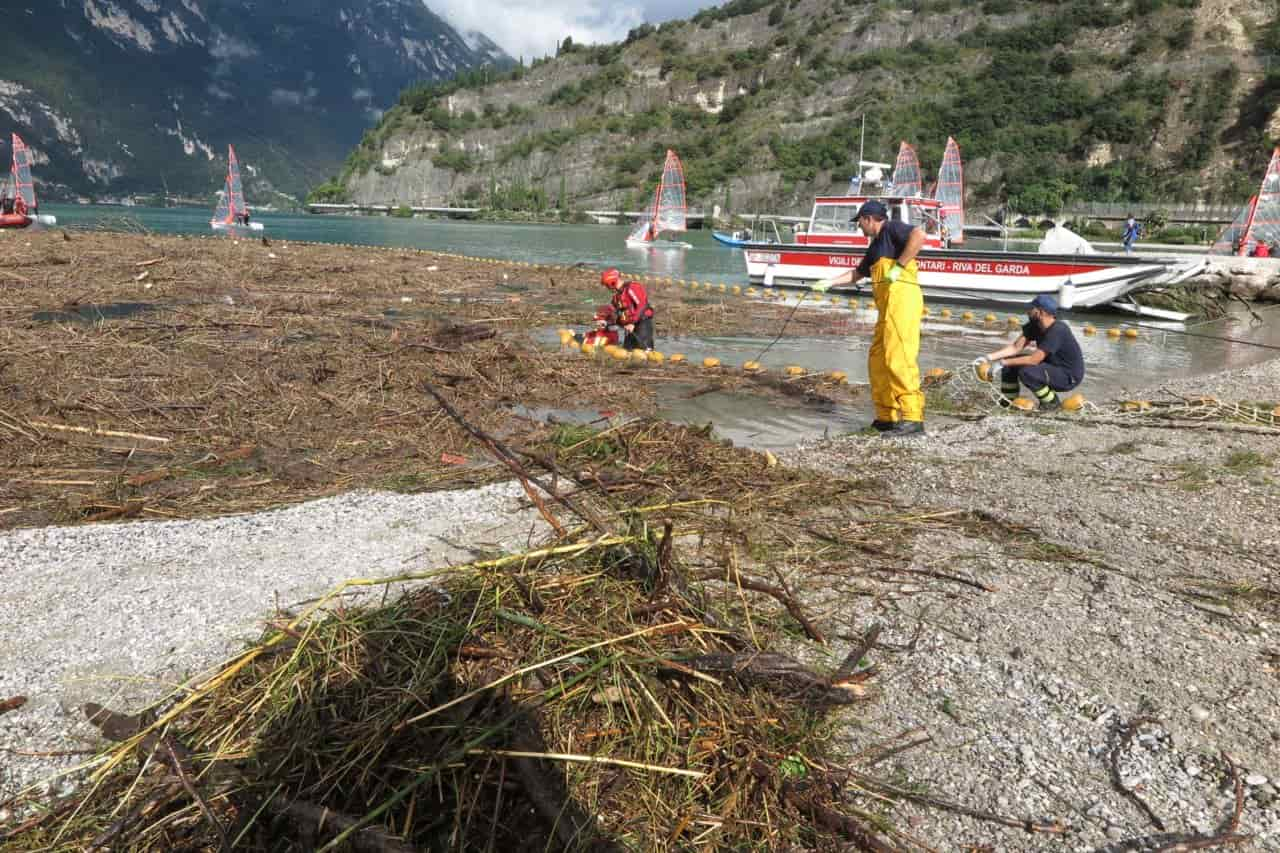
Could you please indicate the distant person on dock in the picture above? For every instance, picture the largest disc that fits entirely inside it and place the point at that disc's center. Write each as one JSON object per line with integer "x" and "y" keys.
{"x": 892, "y": 362}
{"x": 634, "y": 314}
{"x": 1055, "y": 365}
{"x": 1132, "y": 231}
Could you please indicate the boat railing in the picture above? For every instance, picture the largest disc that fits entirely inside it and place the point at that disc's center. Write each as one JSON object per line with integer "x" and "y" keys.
{"x": 765, "y": 231}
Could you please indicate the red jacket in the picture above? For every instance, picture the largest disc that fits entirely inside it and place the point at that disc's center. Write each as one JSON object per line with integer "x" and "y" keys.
{"x": 632, "y": 303}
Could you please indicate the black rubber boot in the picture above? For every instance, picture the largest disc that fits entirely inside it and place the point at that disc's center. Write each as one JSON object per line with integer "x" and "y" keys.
{"x": 904, "y": 429}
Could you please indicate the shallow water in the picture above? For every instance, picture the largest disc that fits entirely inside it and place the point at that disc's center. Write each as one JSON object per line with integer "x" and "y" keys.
{"x": 1114, "y": 365}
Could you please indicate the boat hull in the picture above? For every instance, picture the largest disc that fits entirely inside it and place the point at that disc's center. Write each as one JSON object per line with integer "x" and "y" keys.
{"x": 657, "y": 244}
{"x": 728, "y": 240}
{"x": 233, "y": 228}
{"x": 15, "y": 220}
{"x": 978, "y": 275}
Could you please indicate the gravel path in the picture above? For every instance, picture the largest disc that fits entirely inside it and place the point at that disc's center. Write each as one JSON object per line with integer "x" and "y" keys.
{"x": 117, "y": 613}
{"x": 1026, "y": 691}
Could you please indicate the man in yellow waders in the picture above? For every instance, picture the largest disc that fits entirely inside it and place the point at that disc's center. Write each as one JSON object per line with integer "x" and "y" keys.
{"x": 890, "y": 261}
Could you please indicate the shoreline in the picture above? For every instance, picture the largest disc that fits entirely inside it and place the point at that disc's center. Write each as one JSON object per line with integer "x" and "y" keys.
{"x": 1042, "y": 583}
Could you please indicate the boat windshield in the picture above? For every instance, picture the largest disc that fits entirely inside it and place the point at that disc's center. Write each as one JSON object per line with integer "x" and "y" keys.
{"x": 834, "y": 219}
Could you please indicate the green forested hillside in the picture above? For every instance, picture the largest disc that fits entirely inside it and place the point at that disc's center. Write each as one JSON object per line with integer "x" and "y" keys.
{"x": 1050, "y": 102}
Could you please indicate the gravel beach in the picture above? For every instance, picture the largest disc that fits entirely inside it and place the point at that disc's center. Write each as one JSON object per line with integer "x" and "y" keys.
{"x": 118, "y": 614}
{"x": 1154, "y": 658}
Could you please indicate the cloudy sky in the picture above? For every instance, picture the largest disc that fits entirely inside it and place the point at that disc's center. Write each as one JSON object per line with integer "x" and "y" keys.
{"x": 532, "y": 28}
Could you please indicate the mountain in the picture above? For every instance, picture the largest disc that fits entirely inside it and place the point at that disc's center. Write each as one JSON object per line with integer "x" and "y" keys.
{"x": 130, "y": 96}
{"x": 1104, "y": 100}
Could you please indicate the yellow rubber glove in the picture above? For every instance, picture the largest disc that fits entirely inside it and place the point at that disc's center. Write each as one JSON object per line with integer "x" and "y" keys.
{"x": 894, "y": 272}
{"x": 822, "y": 285}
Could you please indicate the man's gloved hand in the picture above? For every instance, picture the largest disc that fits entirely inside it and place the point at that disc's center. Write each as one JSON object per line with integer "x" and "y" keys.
{"x": 894, "y": 272}
{"x": 821, "y": 285}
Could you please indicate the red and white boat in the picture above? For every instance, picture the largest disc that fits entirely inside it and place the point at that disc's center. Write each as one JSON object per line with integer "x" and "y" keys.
{"x": 232, "y": 214}
{"x": 18, "y": 208}
{"x": 831, "y": 243}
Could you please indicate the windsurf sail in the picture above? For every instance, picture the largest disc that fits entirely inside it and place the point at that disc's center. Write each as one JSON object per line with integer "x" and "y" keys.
{"x": 22, "y": 183}
{"x": 1258, "y": 221}
{"x": 231, "y": 204}
{"x": 669, "y": 206}
{"x": 950, "y": 191}
{"x": 906, "y": 172}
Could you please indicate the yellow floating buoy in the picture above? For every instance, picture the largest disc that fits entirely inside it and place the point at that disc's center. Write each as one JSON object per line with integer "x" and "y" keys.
{"x": 854, "y": 306}
{"x": 678, "y": 358}
{"x": 794, "y": 370}
{"x": 990, "y": 318}
{"x": 574, "y": 345}
{"x": 936, "y": 373}
{"x": 1022, "y": 404}
{"x": 946, "y": 312}
{"x": 924, "y": 312}
{"x": 752, "y": 367}
{"x": 724, "y": 288}
{"x": 1090, "y": 330}
{"x": 1113, "y": 333}
{"x": 710, "y": 362}
{"x": 1135, "y": 406}
{"x": 565, "y": 336}
{"x": 751, "y": 291}
{"x": 639, "y": 355}
{"x": 1013, "y": 321}
{"x": 1131, "y": 333}
{"x": 967, "y": 316}
{"x": 589, "y": 349}
{"x": 1074, "y": 403}
{"x": 737, "y": 291}
{"x": 1275, "y": 413}
{"x": 657, "y": 357}
{"x": 620, "y": 354}
{"x": 983, "y": 371}
{"x": 838, "y": 376}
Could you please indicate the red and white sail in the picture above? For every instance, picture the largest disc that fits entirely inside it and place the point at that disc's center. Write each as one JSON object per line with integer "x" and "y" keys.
{"x": 950, "y": 191}
{"x": 231, "y": 205}
{"x": 668, "y": 211}
{"x": 23, "y": 187}
{"x": 1258, "y": 221}
{"x": 907, "y": 180}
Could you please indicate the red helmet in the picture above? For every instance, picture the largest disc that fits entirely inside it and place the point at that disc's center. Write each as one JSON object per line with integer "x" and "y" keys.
{"x": 611, "y": 277}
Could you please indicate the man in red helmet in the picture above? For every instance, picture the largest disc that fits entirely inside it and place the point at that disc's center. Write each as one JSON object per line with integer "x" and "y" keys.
{"x": 635, "y": 315}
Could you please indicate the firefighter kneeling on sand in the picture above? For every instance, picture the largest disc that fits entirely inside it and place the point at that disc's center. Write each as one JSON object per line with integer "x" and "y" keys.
{"x": 1055, "y": 365}
{"x": 634, "y": 314}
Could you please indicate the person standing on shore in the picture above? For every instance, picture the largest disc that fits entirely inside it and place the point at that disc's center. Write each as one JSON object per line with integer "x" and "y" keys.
{"x": 892, "y": 363}
{"x": 1055, "y": 365}
{"x": 634, "y": 314}
{"x": 1132, "y": 230}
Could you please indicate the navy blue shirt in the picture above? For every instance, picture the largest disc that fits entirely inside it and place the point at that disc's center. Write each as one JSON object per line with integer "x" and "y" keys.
{"x": 889, "y": 243}
{"x": 1060, "y": 347}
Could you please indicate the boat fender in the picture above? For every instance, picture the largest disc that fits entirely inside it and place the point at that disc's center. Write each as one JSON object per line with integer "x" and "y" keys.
{"x": 1067, "y": 295}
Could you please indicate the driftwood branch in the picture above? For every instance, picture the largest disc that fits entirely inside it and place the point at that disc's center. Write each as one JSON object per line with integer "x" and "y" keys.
{"x": 781, "y": 595}
{"x": 771, "y": 671}
{"x": 505, "y": 455}
{"x": 858, "y": 652}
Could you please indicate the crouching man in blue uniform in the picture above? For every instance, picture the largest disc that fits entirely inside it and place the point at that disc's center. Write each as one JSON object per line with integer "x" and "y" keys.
{"x": 1055, "y": 365}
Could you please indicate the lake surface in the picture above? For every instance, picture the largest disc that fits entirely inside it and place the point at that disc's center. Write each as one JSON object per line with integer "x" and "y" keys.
{"x": 1114, "y": 365}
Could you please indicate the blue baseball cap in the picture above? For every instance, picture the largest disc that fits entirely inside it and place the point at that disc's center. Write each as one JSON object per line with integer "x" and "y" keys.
{"x": 1045, "y": 303}
{"x": 872, "y": 208}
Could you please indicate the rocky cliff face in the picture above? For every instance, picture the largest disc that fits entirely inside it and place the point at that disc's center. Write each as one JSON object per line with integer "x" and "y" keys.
{"x": 1158, "y": 99}
{"x": 120, "y": 96}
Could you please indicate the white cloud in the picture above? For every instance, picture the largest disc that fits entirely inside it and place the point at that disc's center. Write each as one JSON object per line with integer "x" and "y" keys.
{"x": 533, "y": 28}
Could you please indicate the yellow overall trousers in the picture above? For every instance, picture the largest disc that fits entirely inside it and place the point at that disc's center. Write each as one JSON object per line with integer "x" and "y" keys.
{"x": 891, "y": 364}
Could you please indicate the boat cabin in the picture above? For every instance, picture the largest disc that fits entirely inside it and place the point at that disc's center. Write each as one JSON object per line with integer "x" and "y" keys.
{"x": 832, "y": 221}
